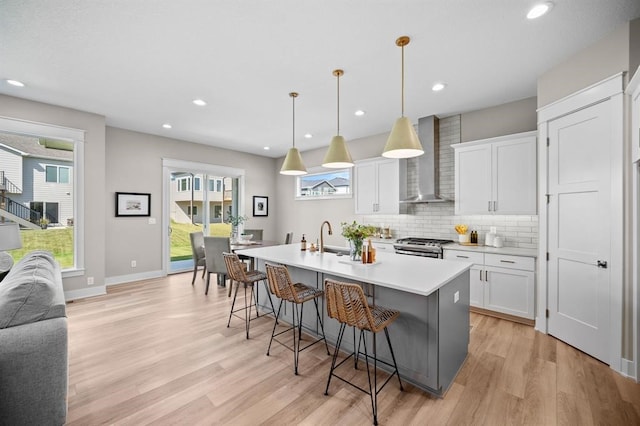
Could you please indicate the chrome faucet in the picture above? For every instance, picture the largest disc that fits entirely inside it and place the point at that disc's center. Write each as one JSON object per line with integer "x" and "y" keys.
{"x": 321, "y": 235}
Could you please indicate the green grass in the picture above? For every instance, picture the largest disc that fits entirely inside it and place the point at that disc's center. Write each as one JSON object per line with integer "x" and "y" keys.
{"x": 59, "y": 241}
{"x": 180, "y": 243}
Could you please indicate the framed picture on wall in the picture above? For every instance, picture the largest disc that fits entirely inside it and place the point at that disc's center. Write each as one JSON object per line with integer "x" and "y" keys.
{"x": 260, "y": 205}
{"x": 133, "y": 204}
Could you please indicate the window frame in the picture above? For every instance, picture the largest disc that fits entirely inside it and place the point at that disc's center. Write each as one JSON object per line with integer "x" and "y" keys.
{"x": 58, "y": 168}
{"x": 77, "y": 137}
{"x": 313, "y": 171}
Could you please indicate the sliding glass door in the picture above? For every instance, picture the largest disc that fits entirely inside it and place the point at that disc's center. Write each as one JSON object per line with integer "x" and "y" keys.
{"x": 197, "y": 201}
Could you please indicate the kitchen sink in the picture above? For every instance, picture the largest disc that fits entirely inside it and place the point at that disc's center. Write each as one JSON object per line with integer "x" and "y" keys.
{"x": 339, "y": 251}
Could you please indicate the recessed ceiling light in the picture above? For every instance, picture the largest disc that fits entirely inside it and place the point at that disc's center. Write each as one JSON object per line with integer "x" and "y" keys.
{"x": 308, "y": 135}
{"x": 199, "y": 102}
{"x": 539, "y": 9}
{"x": 438, "y": 87}
{"x": 15, "y": 83}
{"x": 266, "y": 148}
{"x": 360, "y": 113}
{"x": 166, "y": 125}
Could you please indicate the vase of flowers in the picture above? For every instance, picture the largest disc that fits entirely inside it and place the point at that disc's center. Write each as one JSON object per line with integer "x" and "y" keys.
{"x": 235, "y": 221}
{"x": 356, "y": 233}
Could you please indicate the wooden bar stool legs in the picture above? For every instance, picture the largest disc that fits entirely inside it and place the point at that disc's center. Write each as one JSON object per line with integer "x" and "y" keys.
{"x": 347, "y": 304}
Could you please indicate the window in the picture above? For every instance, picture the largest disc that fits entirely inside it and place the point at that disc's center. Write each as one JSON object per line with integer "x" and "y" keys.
{"x": 184, "y": 184}
{"x": 56, "y": 174}
{"x": 51, "y": 155}
{"x": 63, "y": 174}
{"x": 195, "y": 210}
{"x": 196, "y": 184}
{"x": 324, "y": 184}
{"x": 215, "y": 185}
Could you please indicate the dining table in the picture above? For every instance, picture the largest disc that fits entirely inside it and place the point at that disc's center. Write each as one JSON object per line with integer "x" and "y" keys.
{"x": 243, "y": 245}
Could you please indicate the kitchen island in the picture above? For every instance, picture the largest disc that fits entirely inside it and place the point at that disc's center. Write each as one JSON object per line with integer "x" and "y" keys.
{"x": 431, "y": 336}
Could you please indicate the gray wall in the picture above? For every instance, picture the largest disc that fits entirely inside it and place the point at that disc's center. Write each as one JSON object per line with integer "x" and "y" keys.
{"x": 134, "y": 164}
{"x": 634, "y": 46}
{"x": 94, "y": 184}
{"x": 589, "y": 66}
{"x": 513, "y": 117}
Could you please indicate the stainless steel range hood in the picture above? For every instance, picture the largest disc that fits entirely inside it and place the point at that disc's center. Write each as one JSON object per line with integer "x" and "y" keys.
{"x": 427, "y": 166}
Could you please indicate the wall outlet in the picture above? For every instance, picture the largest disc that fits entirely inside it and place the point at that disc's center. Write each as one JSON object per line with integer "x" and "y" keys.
{"x": 456, "y": 297}
{"x": 152, "y": 221}
{"x": 90, "y": 281}
{"x": 134, "y": 263}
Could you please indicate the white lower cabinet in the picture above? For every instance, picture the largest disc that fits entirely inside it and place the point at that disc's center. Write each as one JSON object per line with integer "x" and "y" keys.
{"x": 500, "y": 283}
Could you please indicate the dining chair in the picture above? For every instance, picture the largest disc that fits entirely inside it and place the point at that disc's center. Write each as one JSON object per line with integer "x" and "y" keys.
{"x": 282, "y": 287}
{"x": 289, "y": 238}
{"x": 213, "y": 249}
{"x": 257, "y": 233}
{"x": 197, "y": 250}
{"x": 239, "y": 275}
{"x": 347, "y": 303}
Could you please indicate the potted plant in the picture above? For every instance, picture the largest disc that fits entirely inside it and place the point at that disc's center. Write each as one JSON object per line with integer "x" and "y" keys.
{"x": 44, "y": 222}
{"x": 234, "y": 221}
{"x": 356, "y": 233}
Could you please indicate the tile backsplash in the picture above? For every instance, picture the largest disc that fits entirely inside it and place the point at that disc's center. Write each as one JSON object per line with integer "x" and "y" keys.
{"x": 438, "y": 220}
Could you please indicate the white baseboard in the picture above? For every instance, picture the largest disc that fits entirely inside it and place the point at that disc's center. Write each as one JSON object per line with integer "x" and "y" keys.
{"x": 98, "y": 290}
{"x": 628, "y": 369}
{"x": 123, "y": 279}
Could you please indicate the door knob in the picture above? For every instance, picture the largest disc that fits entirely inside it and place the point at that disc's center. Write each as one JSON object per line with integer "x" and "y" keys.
{"x": 602, "y": 264}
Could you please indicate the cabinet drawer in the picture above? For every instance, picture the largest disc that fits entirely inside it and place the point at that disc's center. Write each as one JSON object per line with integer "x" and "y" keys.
{"x": 467, "y": 256}
{"x": 512, "y": 262}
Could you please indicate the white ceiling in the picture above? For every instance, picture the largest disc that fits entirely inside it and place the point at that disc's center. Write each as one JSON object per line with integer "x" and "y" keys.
{"x": 140, "y": 63}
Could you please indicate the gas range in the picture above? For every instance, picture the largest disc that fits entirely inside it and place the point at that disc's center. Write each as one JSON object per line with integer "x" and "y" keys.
{"x": 426, "y": 247}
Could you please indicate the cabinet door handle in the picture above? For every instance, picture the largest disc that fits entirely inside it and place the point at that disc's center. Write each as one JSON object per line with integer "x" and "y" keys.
{"x": 480, "y": 274}
{"x": 488, "y": 205}
{"x": 486, "y": 275}
{"x": 463, "y": 257}
{"x": 495, "y": 206}
{"x": 507, "y": 261}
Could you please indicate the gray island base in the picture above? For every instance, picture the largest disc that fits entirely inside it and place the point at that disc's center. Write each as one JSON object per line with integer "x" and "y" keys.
{"x": 431, "y": 337}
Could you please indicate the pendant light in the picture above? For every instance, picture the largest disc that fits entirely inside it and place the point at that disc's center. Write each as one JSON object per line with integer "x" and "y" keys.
{"x": 293, "y": 164}
{"x": 338, "y": 157}
{"x": 403, "y": 141}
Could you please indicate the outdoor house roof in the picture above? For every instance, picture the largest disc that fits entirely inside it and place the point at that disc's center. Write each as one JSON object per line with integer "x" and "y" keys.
{"x": 335, "y": 182}
{"x": 34, "y": 147}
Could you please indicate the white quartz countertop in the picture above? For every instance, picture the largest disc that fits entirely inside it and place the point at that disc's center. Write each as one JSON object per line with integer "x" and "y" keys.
{"x": 413, "y": 274}
{"x": 514, "y": 251}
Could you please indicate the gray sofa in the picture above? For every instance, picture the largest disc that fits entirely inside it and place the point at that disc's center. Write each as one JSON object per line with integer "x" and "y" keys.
{"x": 33, "y": 343}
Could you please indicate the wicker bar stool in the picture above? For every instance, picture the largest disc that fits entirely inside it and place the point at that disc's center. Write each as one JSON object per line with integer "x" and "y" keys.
{"x": 281, "y": 286}
{"x": 238, "y": 274}
{"x": 347, "y": 303}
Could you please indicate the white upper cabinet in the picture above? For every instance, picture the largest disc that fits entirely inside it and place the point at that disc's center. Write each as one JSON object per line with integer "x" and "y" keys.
{"x": 377, "y": 186}
{"x": 633, "y": 90}
{"x": 497, "y": 175}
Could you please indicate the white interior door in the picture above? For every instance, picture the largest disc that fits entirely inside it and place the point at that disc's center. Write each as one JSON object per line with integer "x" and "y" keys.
{"x": 579, "y": 231}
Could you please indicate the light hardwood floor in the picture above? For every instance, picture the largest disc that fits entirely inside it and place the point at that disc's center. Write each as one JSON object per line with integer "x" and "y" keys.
{"x": 159, "y": 352}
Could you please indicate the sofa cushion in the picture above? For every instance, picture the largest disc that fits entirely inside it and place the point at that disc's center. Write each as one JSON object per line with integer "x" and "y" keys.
{"x": 32, "y": 291}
